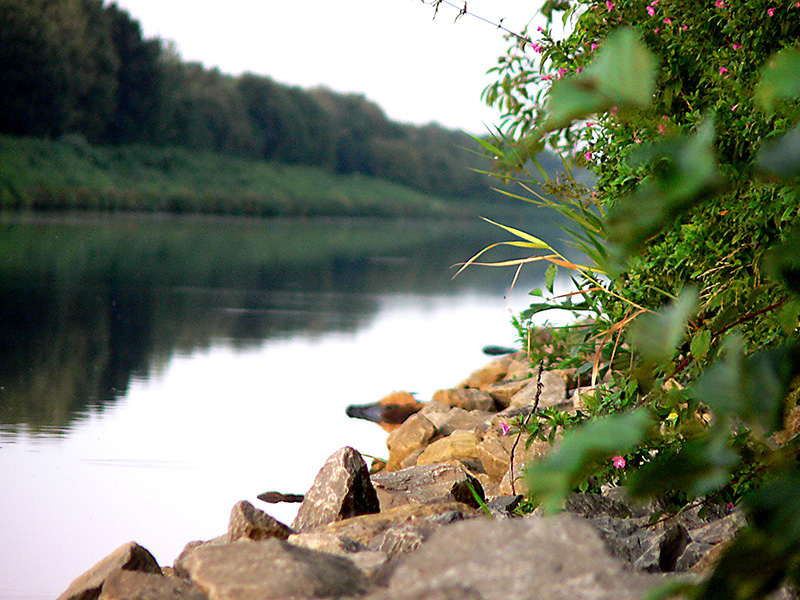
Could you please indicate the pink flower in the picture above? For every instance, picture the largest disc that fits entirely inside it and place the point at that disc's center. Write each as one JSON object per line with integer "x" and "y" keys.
{"x": 737, "y": 46}
{"x": 668, "y": 21}
{"x": 770, "y": 11}
{"x": 651, "y": 11}
{"x": 684, "y": 27}
{"x": 561, "y": 72}
{"x": 735, "y": 106}
{"x": 587, "y": 155}
{"x": 618, "y": 462}
{"x": 504, "y": 429}
{"x": 797, "y": 4}
{"x": 593, "y": 46}
{"x": 720, "y": 3}
{"x": 722, "y": 70}
{"x": 661, "y": 129}
{"x": 540, "y": 29}
{"x": 537, "y": 48}
{"x": 657, "y": 30}
{"x": 610, "y": 5}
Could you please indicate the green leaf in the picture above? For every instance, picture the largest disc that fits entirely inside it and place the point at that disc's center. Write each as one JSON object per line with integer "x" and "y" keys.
{"x": 752, "y": 389}
{"x": 780, "y": 79}
{"x": 658, "y": 335}
{"x": 686, "y": 173}
{"x": 622, "y": 76}
{"x": 699, "y": 467}
{"x": 553, "y": 478}
{"x": 530, "y": 241}
{"x": 700, "y": 344}
{"x": 782, "y": 155}
{"x": 783, "y": 262}
{"x": 550, "y": 276}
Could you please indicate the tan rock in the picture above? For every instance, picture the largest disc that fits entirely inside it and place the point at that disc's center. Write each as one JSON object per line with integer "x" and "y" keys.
{"x": 248, "y": 522}
{"x": 134, "y": 585}
{"x": 412, "y": 435}
{"x": 486, "y": 376}
{"x": 495, "y": 455}
{"x": 520, "y": 368}
{"x": 554, "y": 392}
{"x": 453, "y": 418}
{"x": 129, "y": 557}
{"x": 503, "y": 391}
{"x": 461, "y": 445}
{"x": 468, "y": 399}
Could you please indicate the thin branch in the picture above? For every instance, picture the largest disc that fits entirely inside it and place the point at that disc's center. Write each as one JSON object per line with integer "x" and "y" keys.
{"x": 539, "y": 388}
{"x": 462, "y": 10}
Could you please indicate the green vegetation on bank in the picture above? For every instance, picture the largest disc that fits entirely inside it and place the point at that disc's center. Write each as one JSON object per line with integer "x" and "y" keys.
{"x": 37, "y": 174}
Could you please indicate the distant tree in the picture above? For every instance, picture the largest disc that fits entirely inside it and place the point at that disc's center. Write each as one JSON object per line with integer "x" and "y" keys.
{"x": 33, "y": 73}
{"x": 139, "y": 82}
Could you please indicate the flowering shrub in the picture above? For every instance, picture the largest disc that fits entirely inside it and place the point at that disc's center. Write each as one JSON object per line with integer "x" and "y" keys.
{"x": 687, "y": 114}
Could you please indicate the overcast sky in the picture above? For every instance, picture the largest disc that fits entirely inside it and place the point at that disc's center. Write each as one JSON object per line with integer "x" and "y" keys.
{"x": 416, "y": 68}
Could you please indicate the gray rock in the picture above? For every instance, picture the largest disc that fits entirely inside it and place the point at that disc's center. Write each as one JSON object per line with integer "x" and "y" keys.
{"x": 427, "y": 484}
{"x": 129, "y": 557}
{"x": 265, "y": 570}
{"x": 135, "y": 585}
{"x": 663, "y": 551}
{"x": 594, "y": 505}
{"x": 704, "y": 539}
{"x": 342, "y": 489}
{"x": 559, "y": 558}
{"x": 503, "y": 507}
{"x": 246, "y": 521}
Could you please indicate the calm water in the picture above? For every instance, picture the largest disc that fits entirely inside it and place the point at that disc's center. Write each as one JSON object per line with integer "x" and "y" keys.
{"x": 153, "y": 372}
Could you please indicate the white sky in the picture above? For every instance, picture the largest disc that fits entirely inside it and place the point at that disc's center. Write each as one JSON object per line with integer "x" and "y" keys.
{"x": 416, "y": 68}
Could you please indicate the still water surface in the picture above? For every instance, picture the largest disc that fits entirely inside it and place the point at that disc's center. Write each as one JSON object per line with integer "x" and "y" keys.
{"x": 153, "y": 372}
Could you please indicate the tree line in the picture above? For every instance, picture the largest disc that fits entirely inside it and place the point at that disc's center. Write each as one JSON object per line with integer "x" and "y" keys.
{"x": 84, "y": 67}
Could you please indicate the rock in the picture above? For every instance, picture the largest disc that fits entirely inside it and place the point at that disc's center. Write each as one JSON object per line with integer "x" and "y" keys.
{"x": 342, "y": 489}
{"x": 135, "y": 585}
{"x": 697, "y": 556}
{"x": 277, "y": 497}
{"x": 129, "y": 557}
{"x": 503, "y": 391}
{"x": 440, "y": 483}
{"x": 250, "y": 570}
{"x": 487, "y": 375}
{"x": 554, "y": 392}
{"x": 466, "y": 398}
{"x": 248, "y": 522}
{"x": 393, "y": 531}
{"x": 179, "y": 567}
{"x": 461, "y": 445}
{"x": 516, "y": 559}
{"x": 663, "y": 551}
{"x": 412, "y": 435}
{"x": 503, "y": 507}
{"x": 447, "y": 419}
{"x": 591, "y": 506}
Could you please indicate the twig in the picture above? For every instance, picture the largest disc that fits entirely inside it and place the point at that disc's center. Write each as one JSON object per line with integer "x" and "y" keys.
{"x": 462, "y": 10}
{"x": 539, "y": 388}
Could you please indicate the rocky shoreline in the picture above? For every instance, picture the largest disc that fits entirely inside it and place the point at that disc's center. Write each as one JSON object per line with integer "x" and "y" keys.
{"x": 416, "y": 527}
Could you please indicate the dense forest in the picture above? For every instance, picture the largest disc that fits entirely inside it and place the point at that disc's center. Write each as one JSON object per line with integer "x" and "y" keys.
{"x": 82, "y": 68}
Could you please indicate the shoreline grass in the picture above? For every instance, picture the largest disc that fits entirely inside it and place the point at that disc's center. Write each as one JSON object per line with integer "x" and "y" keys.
{"x": 68, "y": 175}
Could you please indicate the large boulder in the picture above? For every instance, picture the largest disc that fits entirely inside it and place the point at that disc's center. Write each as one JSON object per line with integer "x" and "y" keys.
{"x": 466, "y": 398}
{"x": 461, "y": 446}
{"x": 439, "y": 483}
{"x": 560, "y": 558}
{"x": 128, "y": 557}
{"x": 270, "y": 569}
{"x": 342, "y": 489}
{"x": 136, "y": 585}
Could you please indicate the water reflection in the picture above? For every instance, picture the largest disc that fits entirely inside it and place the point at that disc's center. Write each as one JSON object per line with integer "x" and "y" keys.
{"x": 86, "y": 305}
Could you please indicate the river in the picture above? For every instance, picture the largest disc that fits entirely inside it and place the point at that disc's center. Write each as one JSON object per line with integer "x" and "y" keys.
{"x": 154, "y": 371}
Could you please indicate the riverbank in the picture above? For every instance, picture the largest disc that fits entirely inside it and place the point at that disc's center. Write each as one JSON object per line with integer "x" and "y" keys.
{"x": 46, "y": 175}
{"x": 416, "y": 526}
